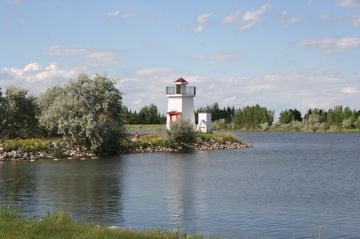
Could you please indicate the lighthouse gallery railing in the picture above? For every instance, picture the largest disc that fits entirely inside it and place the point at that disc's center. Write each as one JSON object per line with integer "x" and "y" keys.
{"x": 189, "y": 91}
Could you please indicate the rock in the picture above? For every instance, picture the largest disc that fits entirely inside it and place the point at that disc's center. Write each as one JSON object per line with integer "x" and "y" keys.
{"x": 113, "y": 227}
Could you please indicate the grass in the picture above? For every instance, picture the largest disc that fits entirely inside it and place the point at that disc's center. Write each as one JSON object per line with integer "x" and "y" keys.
{"x": 143, "y": 141}
{"x": 219, "y": 137}
{"x": 27, "y": 145}
{"x": 146, "y": 128}
{"x": 59, "y": 225}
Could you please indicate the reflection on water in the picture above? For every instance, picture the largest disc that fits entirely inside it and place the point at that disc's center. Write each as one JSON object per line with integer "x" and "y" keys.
{"x": 289, "y": 185}
{"x": 92, "y": 189}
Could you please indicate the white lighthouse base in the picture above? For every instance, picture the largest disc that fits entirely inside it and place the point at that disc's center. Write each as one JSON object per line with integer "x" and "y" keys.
{"x": 182, "y": 104}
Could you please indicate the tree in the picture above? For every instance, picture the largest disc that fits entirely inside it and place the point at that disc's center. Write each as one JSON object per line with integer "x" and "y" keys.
{"x": 18, "y": 112}
{"x": 47, "y": 101}
{"x": 89, "y": 109}
{"x": 150, "y": 115}
{"x": 342, "y": 117}
{"x": 2, "y": 111}
{"x": 287, "y": 116}
{"x": 217, "y": 113}
{"x": 147, "y": 115}
{"x": 252, "y": 117}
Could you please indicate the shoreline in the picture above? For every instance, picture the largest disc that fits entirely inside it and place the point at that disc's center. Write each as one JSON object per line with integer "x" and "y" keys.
{"x": 200, "y": 145}
{"x": 61, "y": 150}
{"x": 59, "y": 224}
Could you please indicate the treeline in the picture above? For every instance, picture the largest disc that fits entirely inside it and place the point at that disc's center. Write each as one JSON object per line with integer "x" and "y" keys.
{"x": 247, "y": 118}
{"x": 260, "y": 118}
{"x": 147, "y": 115}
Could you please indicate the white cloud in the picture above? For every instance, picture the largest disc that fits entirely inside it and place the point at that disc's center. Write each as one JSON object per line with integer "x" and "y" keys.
{"x": 259, "y": 87}
{"x": 251, "y": 18}
{"x": 96, "y": 57}
{"x": 325, "y": 17}
{"x": 118, "y": 14}
{"x": 232, "y": 18}
{"x": 302, "y": 78}
{"x": 198, "y": 28}
{"x": 202, "y": 19}
{"x": 329, "y": 45}
{"x": 349, "y": 90}
{"x": 356, "y": 21}
{"x": 52, "y": 67}
{"x": 35, "y": 77}
{"x": 285, "y": 18}
{"x": 61, "y": 51}
{"x": 348, "y": 3}
{"x": 229, "y": 100}
{"x": 113, "y": 14}
{"x": 153, "y": 71}
{"x": 100, "y": 58}
{"x": 219, "y": 56}
{"x": 32, "y": 67}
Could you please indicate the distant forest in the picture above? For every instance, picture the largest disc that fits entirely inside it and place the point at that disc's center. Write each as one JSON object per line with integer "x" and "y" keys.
{"x": 256, "y": 117}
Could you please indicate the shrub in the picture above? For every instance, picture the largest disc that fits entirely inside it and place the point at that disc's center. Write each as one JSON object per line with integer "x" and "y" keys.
{"x": 181, "y": 135}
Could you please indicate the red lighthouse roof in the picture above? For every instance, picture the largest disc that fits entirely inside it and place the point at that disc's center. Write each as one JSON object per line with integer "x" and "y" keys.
{"x": 181, "y": 80}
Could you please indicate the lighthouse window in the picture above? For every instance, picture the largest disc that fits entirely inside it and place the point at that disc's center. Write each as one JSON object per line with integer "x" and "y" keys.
{"x": 178, "y": 89}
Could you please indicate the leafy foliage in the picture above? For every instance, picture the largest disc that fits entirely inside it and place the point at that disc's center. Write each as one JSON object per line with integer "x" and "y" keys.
{"x": 225, "y": 115}
{"x": 181, "y": 135}
{"x": 18, "y": 112}
{"x": 335, "y": 119}
{"x": 147, "y": 115}
{"x": 251, "y": 117}
{"x": 86, "y": 108}
{"x": 287, "y": 116}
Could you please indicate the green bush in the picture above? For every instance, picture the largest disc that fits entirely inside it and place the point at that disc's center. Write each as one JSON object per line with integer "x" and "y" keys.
{"x": 181, "y": 135}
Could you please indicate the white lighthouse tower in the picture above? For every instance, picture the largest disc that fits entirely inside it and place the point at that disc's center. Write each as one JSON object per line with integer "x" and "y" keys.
{"x": 180, "y": 102}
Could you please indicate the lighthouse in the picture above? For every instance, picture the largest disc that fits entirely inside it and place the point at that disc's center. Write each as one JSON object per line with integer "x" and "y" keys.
{"x": 180, "y": 102}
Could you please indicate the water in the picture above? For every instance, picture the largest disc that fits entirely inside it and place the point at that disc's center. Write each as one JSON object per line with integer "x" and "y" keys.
{"x": 289, "y": 185}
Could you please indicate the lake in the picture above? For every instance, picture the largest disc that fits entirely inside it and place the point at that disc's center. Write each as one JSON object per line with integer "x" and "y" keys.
{"x": 289, "y": 185}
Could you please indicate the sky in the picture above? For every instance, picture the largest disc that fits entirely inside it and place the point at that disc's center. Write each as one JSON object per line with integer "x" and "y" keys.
{"x": 279, "y": 54}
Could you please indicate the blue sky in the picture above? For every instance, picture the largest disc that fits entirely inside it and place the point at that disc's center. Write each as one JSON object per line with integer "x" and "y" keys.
{"x": 280, "y": 54}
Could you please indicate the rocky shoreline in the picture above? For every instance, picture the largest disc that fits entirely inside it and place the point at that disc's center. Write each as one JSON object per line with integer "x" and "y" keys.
{"x": 64, "y": 150}
{"x": 56, "y": 151}
{"x": 199, "y": 145}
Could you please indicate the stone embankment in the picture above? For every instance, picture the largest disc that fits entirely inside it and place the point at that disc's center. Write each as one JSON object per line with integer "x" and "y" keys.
{"x": 56, "y": 151}
{"x": 64, "y": 150}
{"x": 199, "y": 145}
